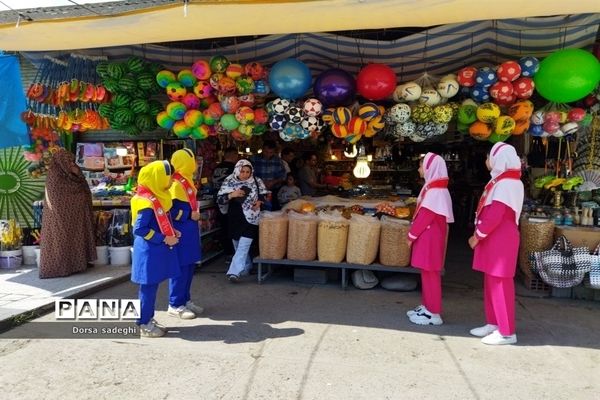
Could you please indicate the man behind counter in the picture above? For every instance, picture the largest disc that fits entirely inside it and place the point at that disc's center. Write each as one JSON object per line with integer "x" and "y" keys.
{"x": 269, "y": 167}
{"x": 307, "y": 176}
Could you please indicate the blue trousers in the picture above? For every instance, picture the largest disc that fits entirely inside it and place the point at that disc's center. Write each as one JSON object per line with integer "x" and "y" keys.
{"x": 147, "y": 295}
{"x": 241, "y": 263}
{"x": 179, "y": 288}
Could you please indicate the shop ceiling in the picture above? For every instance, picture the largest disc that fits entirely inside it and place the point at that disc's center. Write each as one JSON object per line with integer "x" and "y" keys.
{"x": 132, "y": 22}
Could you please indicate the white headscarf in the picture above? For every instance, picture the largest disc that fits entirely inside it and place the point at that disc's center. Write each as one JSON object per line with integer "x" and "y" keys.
{"x": 233, "y": 183}
{"x": 437, "y": 200}
{"x": 504, "y": 157}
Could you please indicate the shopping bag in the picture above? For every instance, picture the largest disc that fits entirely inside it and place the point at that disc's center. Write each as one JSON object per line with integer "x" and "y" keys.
{"x": 563, "y": 266}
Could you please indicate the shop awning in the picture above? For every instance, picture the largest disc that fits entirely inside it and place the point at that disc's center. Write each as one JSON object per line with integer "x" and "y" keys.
{"x": 212, "y": 19}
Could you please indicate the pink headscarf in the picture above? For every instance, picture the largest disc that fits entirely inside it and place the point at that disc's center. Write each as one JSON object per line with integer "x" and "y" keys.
{"x": 504, "y": 157}
{"x": 435, "y": 199}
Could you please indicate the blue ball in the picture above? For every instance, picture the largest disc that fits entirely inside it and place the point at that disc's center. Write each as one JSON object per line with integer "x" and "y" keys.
{"x": 529, "y": 66}
{"x": 290, "y": 78}
{"x": 486, "y": 77}
{"x": 261, "y": 88}
{"x": 536, "y": 130}
{"x": 278, "y": 122}
{"x": 293, "y": 130}
{"x": 480, "y": 94}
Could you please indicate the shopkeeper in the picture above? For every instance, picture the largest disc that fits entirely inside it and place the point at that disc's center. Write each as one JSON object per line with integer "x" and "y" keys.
{"x": 307, "y": 176}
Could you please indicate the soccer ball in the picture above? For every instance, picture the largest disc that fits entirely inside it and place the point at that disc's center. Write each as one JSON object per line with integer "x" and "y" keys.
{"x": 569, "y": 128}
{"x": 501, "y": 89}
{"x": 442, "y": 114}
{"x": 410, "y": 91}
{"x": 448, "y": 88}
{"x": 524, "y": 87}
{"x": 278, "y": 122}
{"x": 466, "y": 76}
{"x": 509, "y": 71}
{"x": 406, "y": 129}
{"x": 311, "y": 124}
{"x": 485, "y": 77}
{"x": 529, "y": 66}
{"x": 312, "y": 107}
{"x": 440, "y": 129}
{"x": 430, "y": 97}
{"x": 280, "y": 106}
{"x": 480, "y": 94}
{"x": 294, "y": 114}
{"x": 400, "y": 113}
{"x": 537, "y": 118}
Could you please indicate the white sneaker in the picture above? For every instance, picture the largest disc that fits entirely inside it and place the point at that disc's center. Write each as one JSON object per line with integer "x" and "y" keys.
{"x": 424, "y": 317}
{"x": 194, "y": 308}
{"x": 159, "y": 326}
{"x": 150, "y": 330}
{"x": 495, "y": 338}
{"x": 483, "y": 331}
{"x": 181, "y": 312}
{"x": 415, "y": 310}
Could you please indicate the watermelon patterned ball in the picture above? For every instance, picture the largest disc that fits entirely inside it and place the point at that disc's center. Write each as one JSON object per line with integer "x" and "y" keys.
{"x": 186, "y": 78}
{"x": 202, "y": 89}
{"x": 501, "y": 89}
{"x": 214, "y": 80}
{"x": 193, "y": 118}
{"x": 234, "y": 71}
{"x": 255, "y": 70}
{"x": 201, "y": 70}
{"x": 261, "y": 116}
{"x": 218, "y": 64}
{"x": 524, "y": 87}
{"x": 486, "y": 77}
{"x": 421, "y": 113}
{"x": 247, "y": 100}
{"x": 430, "y": 97}
{"x": 181, "y": 130}
{"x": 448, "y": 88}
{"x": 536, "y": 130}
{"x": 466, "y": 76}
{"x": 215, "y": 110}
{"x": 280, "y": 106}
{"x": 342, "y": 115}
{"x": 278, "y": 122}
{"x": 310, "y": 124}
{"x": 399, "y": 113}
{"x": 244, "y": 85}
{"x": 176, "y": 110}
{"x": 230, "y": 104}
{"x": 164, "y": 77}
{"x": 368, "y": 111}
{"x": 201, "y": 132}
{"x": 261, "y": 88}
{"x": 164, "y": 121}
{"x": 442, "y": 114}
{"x": 244, "y": 115}
{"x": 208, "y": 118}
{"x": 294, "y": 114}
{"x": 176, "y": 91}
{"x": 226, "y": 86}
{"x": 508, "y": 71}
{"x": 529, "y": 66}
{"x": 312, "y": 107}
{"x": 480, "y": 94}
{"x": 191, "y": 101}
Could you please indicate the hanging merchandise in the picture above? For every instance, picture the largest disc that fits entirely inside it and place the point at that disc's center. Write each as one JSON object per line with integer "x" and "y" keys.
{"x": 290, "y": 78}
{"x": 335, "y": 87}
{"x": 295, "y": 121}
{"x": 376, "y": 81}
{"x": 352, "y": 124}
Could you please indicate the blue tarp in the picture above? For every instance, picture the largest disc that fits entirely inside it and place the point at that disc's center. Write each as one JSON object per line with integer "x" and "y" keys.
{"x": 13, "y": 131}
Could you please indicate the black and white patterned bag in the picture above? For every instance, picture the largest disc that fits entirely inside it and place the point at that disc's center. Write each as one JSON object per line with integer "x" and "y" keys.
{"x": 563, "y": 266}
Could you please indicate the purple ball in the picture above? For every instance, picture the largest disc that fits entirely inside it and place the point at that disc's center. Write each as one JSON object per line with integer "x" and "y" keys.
{"x": 335, "y": 87}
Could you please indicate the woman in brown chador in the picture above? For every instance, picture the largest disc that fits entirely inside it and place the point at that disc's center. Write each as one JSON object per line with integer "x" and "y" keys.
{"x": 68, "y": 240}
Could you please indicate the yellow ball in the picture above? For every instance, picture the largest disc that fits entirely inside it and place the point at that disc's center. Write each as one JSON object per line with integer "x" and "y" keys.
{"x": 504, "y": 125}
{"x": 488, "y": 112}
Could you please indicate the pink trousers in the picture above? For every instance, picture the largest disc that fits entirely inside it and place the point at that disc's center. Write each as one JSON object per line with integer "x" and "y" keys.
{"x": 499, "y": 303}
{"x": 431, "y": 290}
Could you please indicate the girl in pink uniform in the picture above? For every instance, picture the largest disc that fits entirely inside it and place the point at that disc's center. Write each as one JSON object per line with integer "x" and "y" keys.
{"x": 427, "y": 236}
{"x": 496, "y": 244}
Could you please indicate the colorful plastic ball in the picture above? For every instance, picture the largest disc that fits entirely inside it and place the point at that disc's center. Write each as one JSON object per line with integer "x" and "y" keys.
{"x": 244, "y": 115}
{"x": 486, "y": 77}
{"x": 312, "y": 107}
{"x": 218, "y": 64}
{"x": 214, "y": 80}
{"x": 259, "y": 129}
{"x": 508, "y": 71}
{"x": 247, "y": 100}
{"x": 587, "y": 120}
{"x": 204, "y": 103}
{"x": 290, "y": 78}
{"x": 230, "y": 104}
{"x": 181, "y": 129}
{"x": 576, "y": 114}
{"x": 488, "y": 113}
{"x": 335, "y": 87}
{"x": 201, "y": 70}
{"x": 200, "y": 132}
{"x": 552, "y": 116}
{"x": 164, "y": 77}
{"x": 237, "y": 136}
{"x": 495, "y": 138}
{"x": 430, "y": 96}
{"x": 186, "y": 78}
{"x": 368, "y": 111}
{"x": 521, "y": 110}
{"x": 504, "y": 125}
{"x": 215, "y": 110}
{"x": 536, "y": 130}
{"x": 339, "y": 130}
{"x": 480, "y": 130}
{"x": 294, "y": 114}
{"x": 261, "y": 88}
{"x": 229, "y": 122}
{"x": 244, "y": 85}
{"x": 261, "y": 116}
{"x": 246, "y": 130}
{"x": 342, "y": 115}
{"x": 176, "y": 110}
{"x": 202, "y": 89}
{"x": 376, "y": 124}
{"x": 193, "y": 118}
{"x": 563, "y": 116}
{"x": 467, "y": 114}
{"x": 448, "y": 88}
{"x": 521, "y": 127}
{"x": 226, "y": 86}
{"x": 501, "y": 89}
{"x": 278, "y": 122}
{"x": 480, "y": 94}
{"x": 353, "y": 138}
{"x": 529, "y": 66}
{"x": 327, "y": 115}
{"x": 208, "y": 118}
{"x": 234, "y": 71}
{"x": 399, "y": 113}
{"x": 357, "y": 126}
{"x": 164, "y": 121}
{"x": 176, "y": 91}
{"x": 376, "y": 81}
{"x": 466, "y": 76}
{"x": 191, "y": 101}
{"x": 255, "y": 70}
{"x": 551, "y": 126}
{"x": 524, "y": 87}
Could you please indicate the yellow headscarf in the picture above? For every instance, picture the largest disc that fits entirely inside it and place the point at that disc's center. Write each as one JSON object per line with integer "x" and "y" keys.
{"x": 156, "y": 176}
{"x": 183, "y": 161}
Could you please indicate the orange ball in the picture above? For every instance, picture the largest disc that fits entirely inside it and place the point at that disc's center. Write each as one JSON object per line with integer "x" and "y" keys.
{"x": 480, "y": 130}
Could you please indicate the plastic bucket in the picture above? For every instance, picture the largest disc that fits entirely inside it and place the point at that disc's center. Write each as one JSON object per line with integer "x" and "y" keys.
{"x": 29, "y": 257}
{"x": 11, "y": 258}
{"x": 120, "y": 255}
{"x": 102, "y": 254}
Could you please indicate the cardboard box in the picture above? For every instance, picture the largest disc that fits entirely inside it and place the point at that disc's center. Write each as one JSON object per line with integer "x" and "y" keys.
{"x": 580, "y": 235}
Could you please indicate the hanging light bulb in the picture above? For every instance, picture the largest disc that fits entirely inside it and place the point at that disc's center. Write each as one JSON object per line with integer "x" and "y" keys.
{"x": 361, "y": 170}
